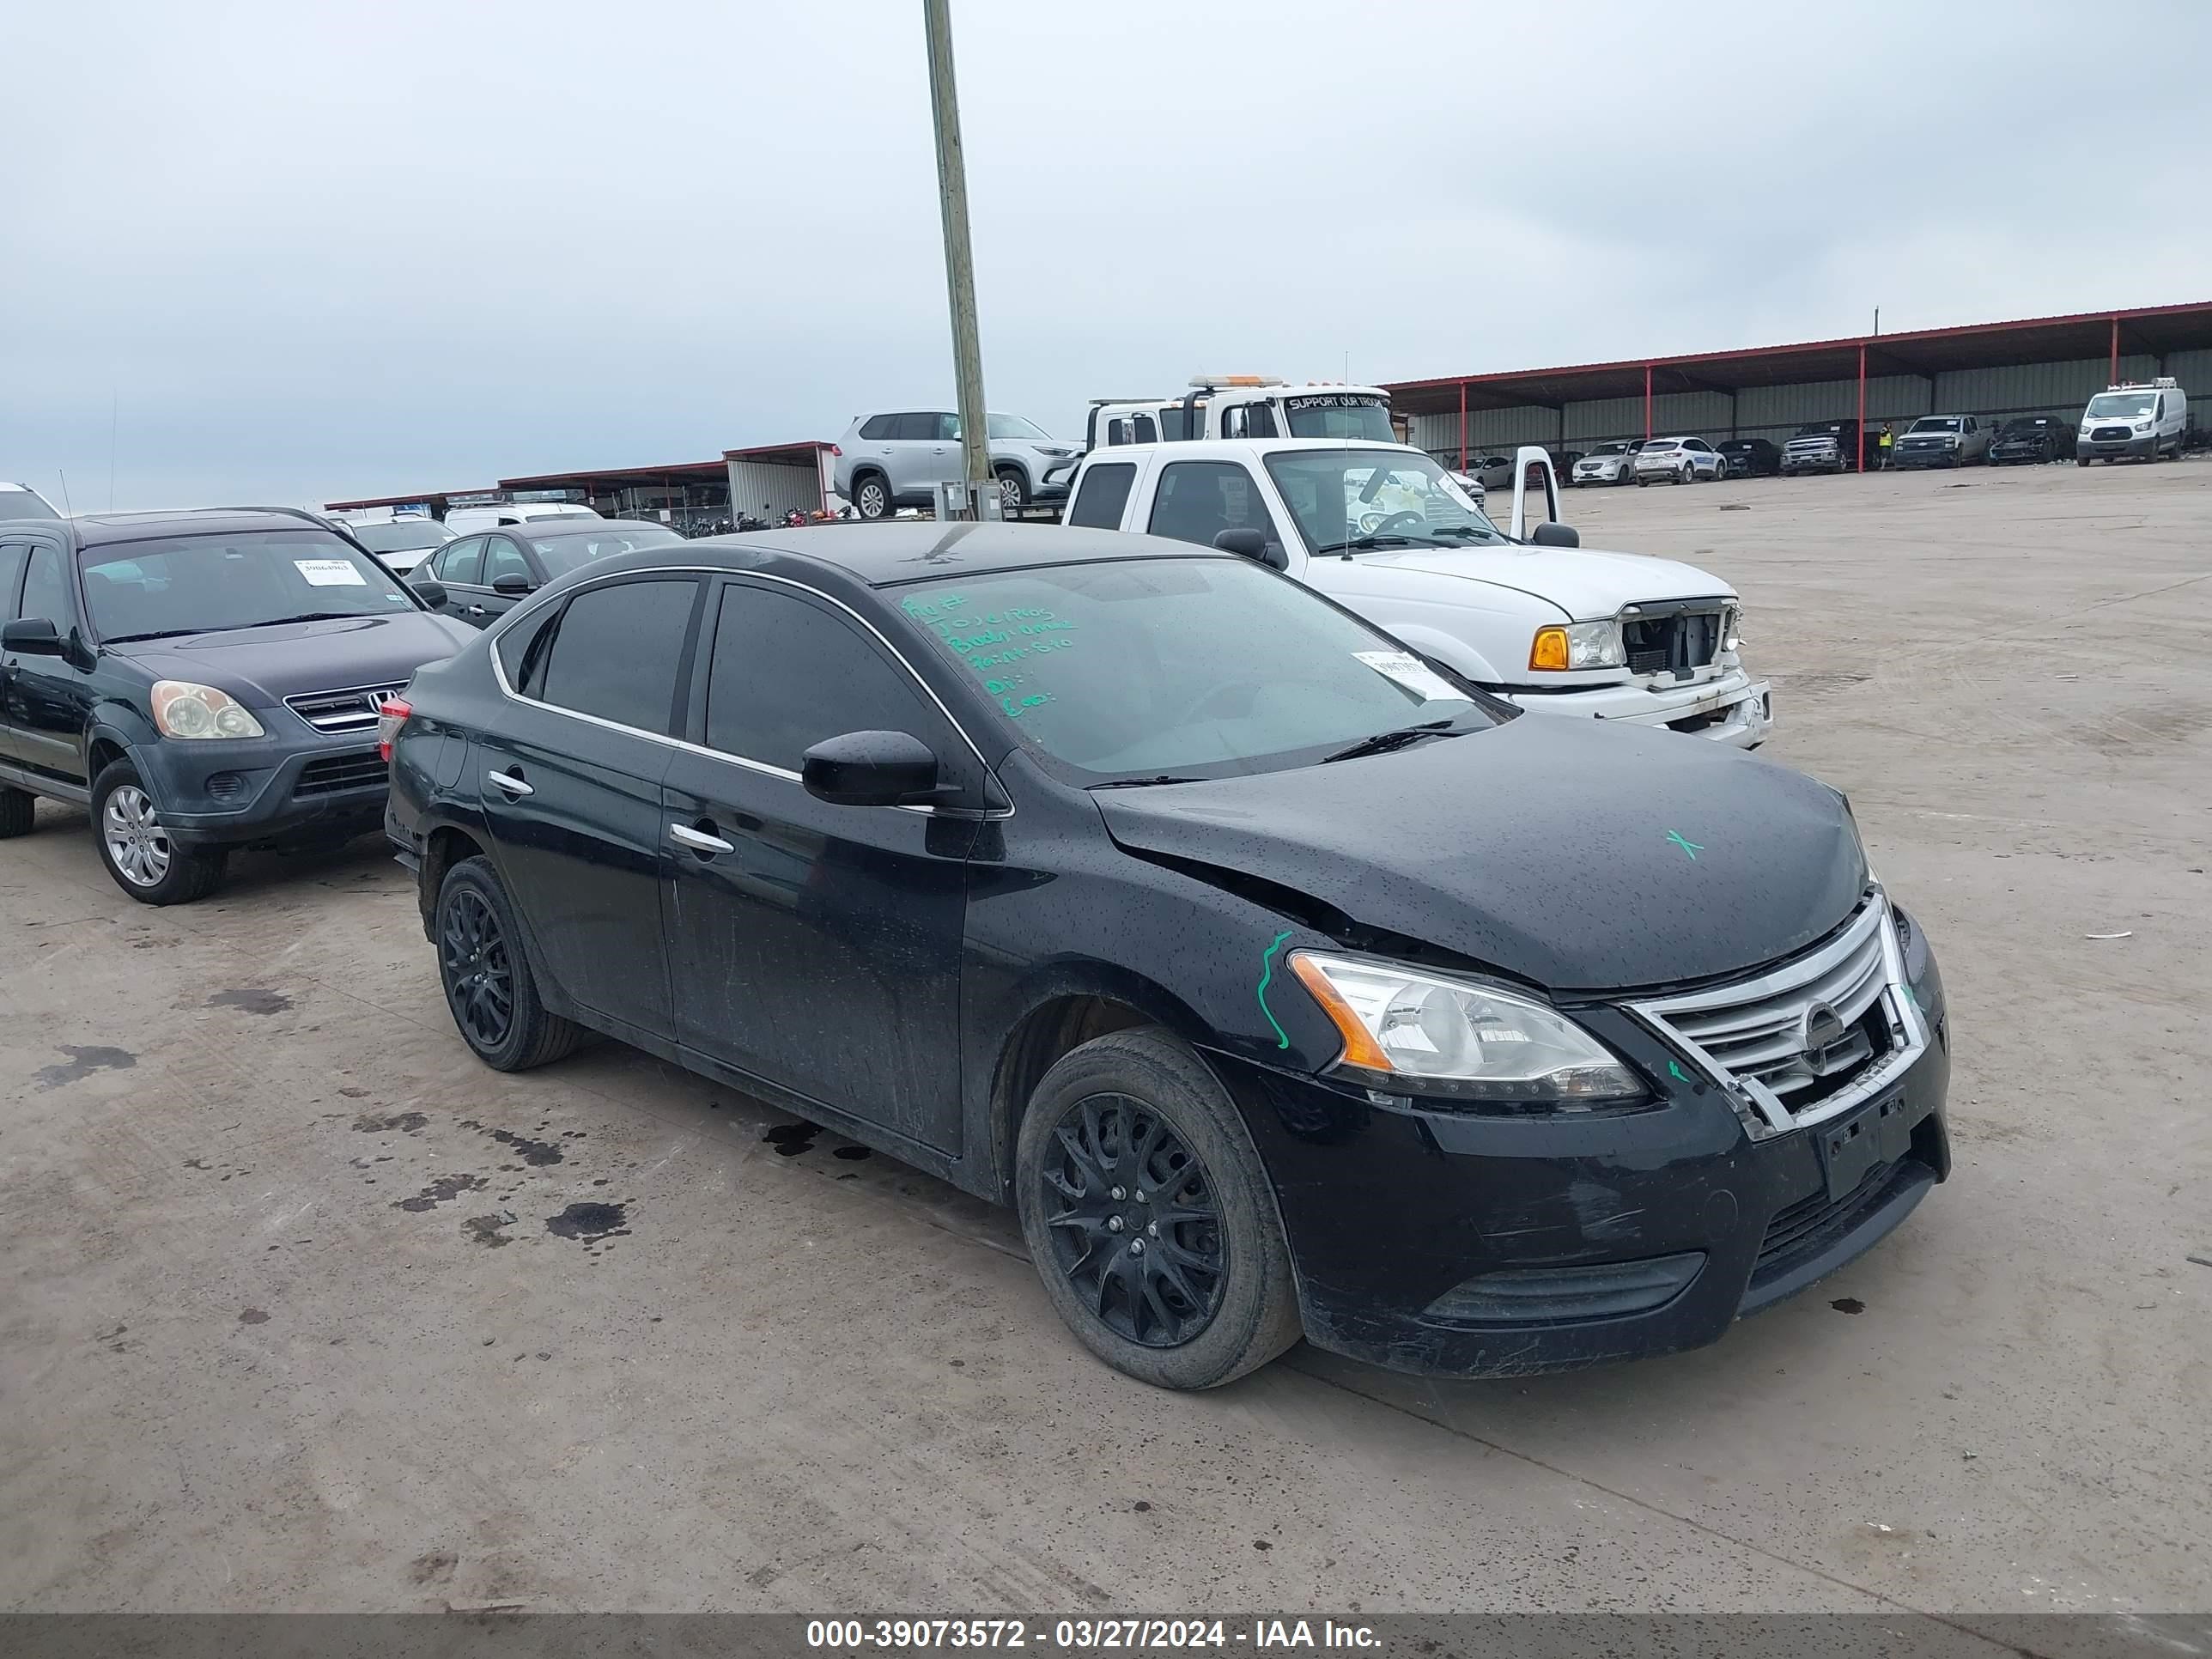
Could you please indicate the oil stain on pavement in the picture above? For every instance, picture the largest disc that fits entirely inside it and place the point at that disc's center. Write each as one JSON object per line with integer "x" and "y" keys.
{"x": 252, "y": 1001}
{"x": 590, "y": 1223}
{"x": 443, "y": 1190}
{"x": 84, "y": 1062}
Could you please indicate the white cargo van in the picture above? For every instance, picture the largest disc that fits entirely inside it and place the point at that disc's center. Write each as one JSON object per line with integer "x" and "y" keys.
{"x": 2142, "y": 418}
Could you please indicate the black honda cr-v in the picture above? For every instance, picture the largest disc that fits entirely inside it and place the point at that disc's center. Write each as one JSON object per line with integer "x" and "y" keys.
{"x": 201, "y": 681}
{"x": 1284, "y": 980}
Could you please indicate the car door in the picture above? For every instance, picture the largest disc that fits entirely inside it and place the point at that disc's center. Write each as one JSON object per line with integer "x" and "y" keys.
{"x": 14, "y": 553}
{"x": 1709, "y": 462}
{"x": 570, "y": 784}
{"x": 816, "y": 947}
{"x": 503, "y": 555}
{"x": 939, "y": 459}
{"x": 913, "y": 436}
{"x": 48, "y": 699}
{"x": 458, "y": 567}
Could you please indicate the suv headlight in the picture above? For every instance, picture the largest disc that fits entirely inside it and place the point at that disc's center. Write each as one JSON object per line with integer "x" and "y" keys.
{"x": 1557, "y": 649}
{"x": 182, "y": 710}
{"x": 1404, "y": 1028}
{"x": 2142, "y": 425}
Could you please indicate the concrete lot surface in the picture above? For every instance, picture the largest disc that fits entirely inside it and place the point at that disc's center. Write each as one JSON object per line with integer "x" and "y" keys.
{"x": 304, "y": 1309}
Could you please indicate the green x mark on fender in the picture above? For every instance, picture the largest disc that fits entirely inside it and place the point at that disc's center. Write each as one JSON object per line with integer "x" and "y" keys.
{"x": 1690, "y": 848}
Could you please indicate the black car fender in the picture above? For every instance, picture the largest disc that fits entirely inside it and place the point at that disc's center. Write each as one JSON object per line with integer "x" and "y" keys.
{"x": 118, "y": 725}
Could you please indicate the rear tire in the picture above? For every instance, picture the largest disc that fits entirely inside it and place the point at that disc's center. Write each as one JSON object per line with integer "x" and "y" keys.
{"x": 139, "y": 856}
{"x": 872, "y": 496}
{"x": 19, "y": 812}
{"x": 1214, "y": 1298}
{"x": 485, "y": 974}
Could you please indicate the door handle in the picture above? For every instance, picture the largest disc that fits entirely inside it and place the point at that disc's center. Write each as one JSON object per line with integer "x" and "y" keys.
{"x": 515, "y": 786}
{"x": 475, "y": 611}
{"x": 698, "y": 840}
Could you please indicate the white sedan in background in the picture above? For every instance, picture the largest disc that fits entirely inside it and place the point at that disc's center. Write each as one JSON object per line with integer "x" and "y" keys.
{"x": 1679, "y": 460}
{"x": 1611, "y": 463}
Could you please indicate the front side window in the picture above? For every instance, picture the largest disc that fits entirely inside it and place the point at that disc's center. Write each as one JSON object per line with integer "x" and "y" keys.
{"x": 615, "y": 652}
{"x": 788, "y": 672}
{"x": 1196, "y": 500}
{"x": 1340, "y": 497}
{"x": 561, "y": 554}
{"x": 503, "y": 558}
{"x": 1105, "y": 492}
{"x": 211, "y": 584}
{"x": 1339, "y": 414}
{"x": 1132, "y": 669}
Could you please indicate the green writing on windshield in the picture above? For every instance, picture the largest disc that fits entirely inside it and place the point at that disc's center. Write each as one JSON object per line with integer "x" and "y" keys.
{"x": 991, "y": 642}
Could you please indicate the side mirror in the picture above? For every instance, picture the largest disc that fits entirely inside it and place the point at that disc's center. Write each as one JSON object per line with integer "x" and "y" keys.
{"x": 1556, "y": 535}
{"x": 1253, "y": 544}
{"x": 430, "y": 591}
{"x": 33, "y": 636}
{"x": 870, "y": 768}
{"x": 511, "y": 585}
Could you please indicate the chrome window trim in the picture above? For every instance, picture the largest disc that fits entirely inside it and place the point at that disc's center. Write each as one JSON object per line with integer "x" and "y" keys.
{"x": 1761, "y": 1111}
{"x": 520, "y": 613}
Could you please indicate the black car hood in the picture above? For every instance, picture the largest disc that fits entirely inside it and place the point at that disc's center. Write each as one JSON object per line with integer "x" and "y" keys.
{"x": 1567, "y": 852}
{"x": 262, "y": 666}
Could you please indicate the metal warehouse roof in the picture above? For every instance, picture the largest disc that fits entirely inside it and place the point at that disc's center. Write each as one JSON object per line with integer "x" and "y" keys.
{"x": 482, "y": 492}
{"x": 604, "y": 480}
{"x": 2154, "y": 329}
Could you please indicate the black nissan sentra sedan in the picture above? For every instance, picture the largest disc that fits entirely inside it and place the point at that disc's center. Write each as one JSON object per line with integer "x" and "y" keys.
{"x": 1283, "y": 981}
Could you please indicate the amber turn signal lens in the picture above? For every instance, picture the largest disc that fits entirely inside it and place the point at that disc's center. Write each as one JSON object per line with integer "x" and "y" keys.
{"x": 1550, "y": 650}
{"x": 1360, "y": 1048}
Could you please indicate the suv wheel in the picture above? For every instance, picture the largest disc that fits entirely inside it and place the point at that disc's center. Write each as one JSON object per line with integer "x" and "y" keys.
{"x": 19, "y": 812}
{"x": 1013, "y": 490}
{"x": 1148, "y": 1215}
{"x": 489, "y": 989}
{"x": 145, "y": 863}
{"x": 872, "y": 496}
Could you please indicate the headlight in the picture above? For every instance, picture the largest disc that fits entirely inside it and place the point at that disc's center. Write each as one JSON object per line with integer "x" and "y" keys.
{"x": 182, "y": 710}
{"x": 1404, "y": 1028}
{"x": 1577, "y": 645}
{"x": 1731, "y": 627}
{"x": 2142, "y": 425}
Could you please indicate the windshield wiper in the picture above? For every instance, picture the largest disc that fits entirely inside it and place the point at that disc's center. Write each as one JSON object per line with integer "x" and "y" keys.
{"x": 157, "y": 634}
{"x": 1361, "y": 544}
{"x": 1462, "y": 530}
{"x": 1383, "y": 742}
{"x": 306, "y": 616}
{"x": 1142, "y": 783}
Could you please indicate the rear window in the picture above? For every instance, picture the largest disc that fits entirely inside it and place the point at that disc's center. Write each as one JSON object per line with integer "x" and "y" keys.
{"x": 401, "y": 534}
{"x": 1658, "y": 444}
{"x": 1103, "y": 494}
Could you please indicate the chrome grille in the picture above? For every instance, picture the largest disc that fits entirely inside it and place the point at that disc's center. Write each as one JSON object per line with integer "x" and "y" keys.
{"x": 1810, "y": 1038}
{"x": 350, "y": 710}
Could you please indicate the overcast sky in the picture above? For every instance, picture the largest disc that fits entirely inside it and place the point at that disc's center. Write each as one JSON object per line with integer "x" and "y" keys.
{"x": 305, "y": 252}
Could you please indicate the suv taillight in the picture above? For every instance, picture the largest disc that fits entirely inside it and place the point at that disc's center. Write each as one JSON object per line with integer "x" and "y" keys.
{"x": 390, "y": 714}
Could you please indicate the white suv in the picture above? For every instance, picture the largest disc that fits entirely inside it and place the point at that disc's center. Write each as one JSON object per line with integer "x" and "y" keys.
{"x": 896, "y": 458}
{"x": 1682, "y": 460}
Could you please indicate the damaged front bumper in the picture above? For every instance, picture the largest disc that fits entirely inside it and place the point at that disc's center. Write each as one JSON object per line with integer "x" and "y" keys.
{"x": 1455, "y": 1243}
{"x": 1731, "y": 708}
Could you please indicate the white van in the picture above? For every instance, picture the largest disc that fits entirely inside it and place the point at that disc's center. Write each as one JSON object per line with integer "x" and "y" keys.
{"x": 2142, "y": 418}
{"x": 490, "y": 516}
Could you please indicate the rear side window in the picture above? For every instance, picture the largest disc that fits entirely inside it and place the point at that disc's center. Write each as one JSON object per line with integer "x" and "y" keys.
{"x": 1104, "y": 493}
{"x": 786, "y": 673}
{"x": 1198, "y": 500}
{"x": 522, "y": 652}
{"x": 616, "y": 652}
{"x": 918, "y": 428}
{"x": 876, "y": 427}
{"x": 11, "y": 572}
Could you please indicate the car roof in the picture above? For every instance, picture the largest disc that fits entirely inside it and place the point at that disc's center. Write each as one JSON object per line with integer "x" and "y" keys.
{"x": 96, "y": 529}
{"x": 579, "y": 525}
{"x": 884, "y": 555}
{"x": 1201, "y": 449}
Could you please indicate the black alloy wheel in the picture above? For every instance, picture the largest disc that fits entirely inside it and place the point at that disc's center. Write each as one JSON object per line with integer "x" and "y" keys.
{"x": 1149, "y": 1215}
{"x": 487, "y": 977}
{"x": 472, "y": 960}
{"x": 1135, "y": 1225}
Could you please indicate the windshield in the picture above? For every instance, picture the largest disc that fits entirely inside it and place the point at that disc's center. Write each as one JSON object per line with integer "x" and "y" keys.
{"x": 2028, "y": 429}
{"x": 1339, "y": 414}
{"x": 1830, "y": 430}
{"x": 561, "y": 554}
{"x": 1012, "y": 426}
{"x": 204, "y": 584}
{"x": 20, "y": 503}
{"x": 1339, "y": 495}
{"x": 1149, "y": 668}
{"x": 2119, "y": 405}
{"x": 1610, "y": 449}
{"x": 401, "y": 534}
{"x": 1937, "y": 423}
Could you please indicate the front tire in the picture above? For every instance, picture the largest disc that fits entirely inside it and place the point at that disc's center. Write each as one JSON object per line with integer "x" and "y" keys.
{"x": 485, "y": 973}
{"x": 1013, "y": 490}
{"x": 140, "y": 856}
{"x": 872, "y": 496}
{"x": 1148, "y": 1215}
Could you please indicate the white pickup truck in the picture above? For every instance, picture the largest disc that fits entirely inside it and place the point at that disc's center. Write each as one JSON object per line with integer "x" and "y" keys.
{"x": 1384, "y": 530}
